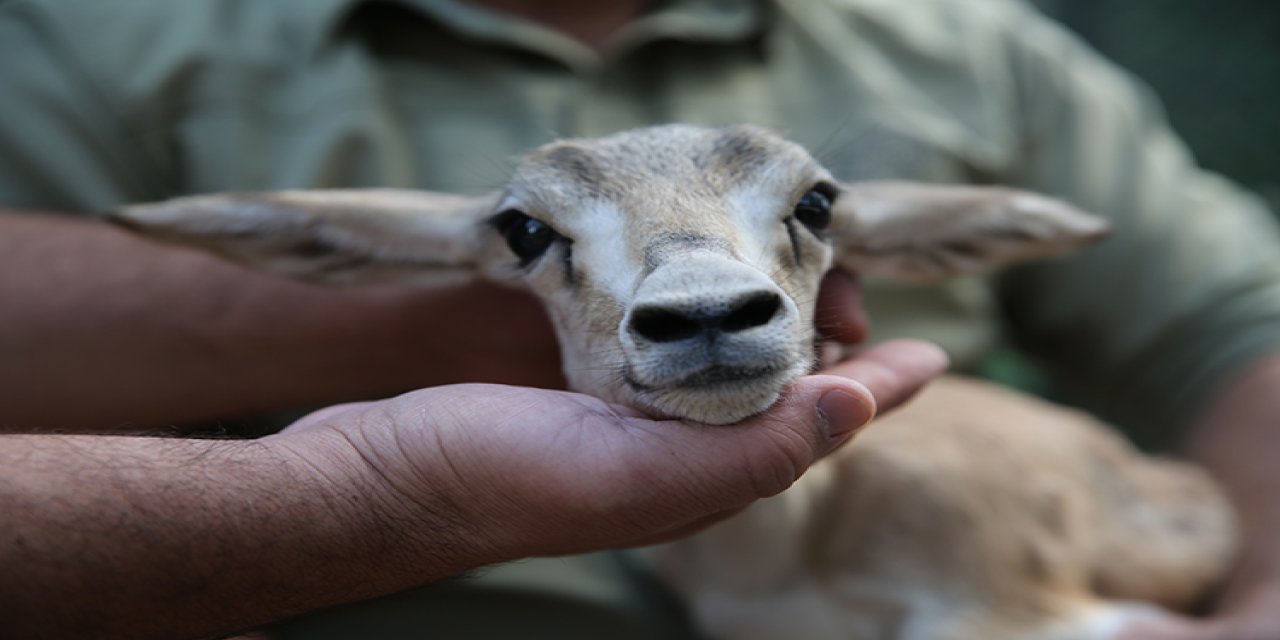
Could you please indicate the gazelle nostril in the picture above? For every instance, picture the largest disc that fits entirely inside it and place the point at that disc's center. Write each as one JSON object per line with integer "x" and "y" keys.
{"x": 753, "y": 312}
{"x": 704, "y": 318}
{"x": 664, "y": 325}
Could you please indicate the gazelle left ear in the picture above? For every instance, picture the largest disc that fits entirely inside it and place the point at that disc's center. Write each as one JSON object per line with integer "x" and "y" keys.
{"x": 922, "y": 232}
{"x": 348, "y": 236}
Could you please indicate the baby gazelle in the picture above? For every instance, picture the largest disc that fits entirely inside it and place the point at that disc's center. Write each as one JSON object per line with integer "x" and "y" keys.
{"x": 972, "y": 513}
{"x": 679, "y": 265}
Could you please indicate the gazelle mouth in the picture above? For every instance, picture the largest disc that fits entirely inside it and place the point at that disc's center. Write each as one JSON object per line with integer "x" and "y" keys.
{"x": 720, "y": 375}
{"x": 715, "y": 394}
{"x": 708, "y": 378}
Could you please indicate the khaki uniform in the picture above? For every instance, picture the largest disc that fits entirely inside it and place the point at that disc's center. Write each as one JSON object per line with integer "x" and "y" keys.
{"x": 131, "y": 100}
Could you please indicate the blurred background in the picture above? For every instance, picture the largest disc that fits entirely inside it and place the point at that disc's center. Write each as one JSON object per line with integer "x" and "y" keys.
{"x": 1214, "y": 63}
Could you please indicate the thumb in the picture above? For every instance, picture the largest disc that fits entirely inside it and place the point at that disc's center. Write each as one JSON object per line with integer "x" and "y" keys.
{"x": 683, "y": 476}
{"x": 815, "y": 415}
{"x": 700, "y": 475}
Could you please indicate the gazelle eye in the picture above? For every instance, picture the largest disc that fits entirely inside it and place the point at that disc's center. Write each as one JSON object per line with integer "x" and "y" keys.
{"x": 527, "y": 237}
{"x": 814, "y": 208}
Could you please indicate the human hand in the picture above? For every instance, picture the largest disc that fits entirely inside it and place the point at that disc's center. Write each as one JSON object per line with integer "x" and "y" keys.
{"x": 1236, "y": 439}
{"x": 476, "y": 332}
{"x": 839, "y": 313}
{"x": 493, "y": 473}
{"x": 1248, "y": 614}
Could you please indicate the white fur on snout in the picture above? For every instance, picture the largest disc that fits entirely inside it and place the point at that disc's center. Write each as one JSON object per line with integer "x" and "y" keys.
{"x": 660, "y": 372}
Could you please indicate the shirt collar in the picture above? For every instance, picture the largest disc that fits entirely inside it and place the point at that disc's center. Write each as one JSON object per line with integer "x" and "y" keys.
{"x": 694, "y": 20}
{"x": 317, "y": 21}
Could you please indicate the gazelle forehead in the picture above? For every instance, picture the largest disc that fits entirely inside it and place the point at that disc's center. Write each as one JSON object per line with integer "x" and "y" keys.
{"x": 634, "y": 200}
{"x": 682, "y": 162}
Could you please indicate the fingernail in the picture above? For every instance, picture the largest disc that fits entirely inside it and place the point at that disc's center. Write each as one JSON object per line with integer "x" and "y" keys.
{"x": 843, "y": 412}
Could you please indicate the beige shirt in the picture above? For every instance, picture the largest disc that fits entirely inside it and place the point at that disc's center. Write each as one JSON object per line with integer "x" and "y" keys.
{"x": 112, "y": 101}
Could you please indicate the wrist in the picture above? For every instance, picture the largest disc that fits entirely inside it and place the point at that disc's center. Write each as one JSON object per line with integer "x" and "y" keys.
{"x": 414, "y": 526}
{"x": 196, "y": 537}
{"x": 1254, "y": 583}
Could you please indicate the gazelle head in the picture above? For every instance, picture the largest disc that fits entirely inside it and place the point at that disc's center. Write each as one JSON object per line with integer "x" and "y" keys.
{"x": 679, "y": 264}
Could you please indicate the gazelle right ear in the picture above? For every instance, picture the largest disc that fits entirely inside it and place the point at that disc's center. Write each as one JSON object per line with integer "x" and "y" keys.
{"x": 924, "y": 232}
{"x": 349, "y": 236}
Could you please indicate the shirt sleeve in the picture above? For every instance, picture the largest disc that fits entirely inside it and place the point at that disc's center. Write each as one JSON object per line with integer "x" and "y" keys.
{"x": 63, "y": 145}
{"x": 1144, "y": 327}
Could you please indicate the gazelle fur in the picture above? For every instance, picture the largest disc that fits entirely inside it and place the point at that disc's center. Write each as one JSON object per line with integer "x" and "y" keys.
{"x": 679, "y": 265}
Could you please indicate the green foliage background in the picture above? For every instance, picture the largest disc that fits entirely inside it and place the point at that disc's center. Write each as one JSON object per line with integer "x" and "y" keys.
{"x": 1214, "y": 63}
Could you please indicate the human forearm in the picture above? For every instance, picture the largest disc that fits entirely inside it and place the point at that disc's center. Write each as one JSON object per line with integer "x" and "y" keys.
{"x": 131, "y": 537}
{"x": 111, "y": 537}
{"x": 1238, "y": 439}
{"x": 102, "y": 328}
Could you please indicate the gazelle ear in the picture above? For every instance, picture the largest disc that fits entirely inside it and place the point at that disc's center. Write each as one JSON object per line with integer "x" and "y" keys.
{"x": 922, "y": 232}
{"x": 352, "y": 236}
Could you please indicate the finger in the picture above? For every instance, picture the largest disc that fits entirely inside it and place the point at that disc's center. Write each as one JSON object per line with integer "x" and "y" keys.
{"x": 816, "y": 415}
{"x": 839, "y": 313}
{"x": 823, "y": 409}
{"x": 827, "y": 353}
{"x": 893, "y": 371}
{"x": 700, "y": 470}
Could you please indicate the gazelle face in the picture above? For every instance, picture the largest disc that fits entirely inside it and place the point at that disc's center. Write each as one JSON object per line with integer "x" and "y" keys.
{"x": 683, "y": 282}
{"x": 680, "y": 264}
